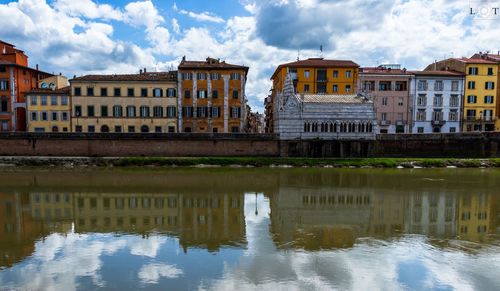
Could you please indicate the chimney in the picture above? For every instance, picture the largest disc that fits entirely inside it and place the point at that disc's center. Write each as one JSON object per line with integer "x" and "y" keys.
{"x": 435, "y": 65}
{"x": 144, "y": 70}
{"x": 60, "y": 74}
{"x": 140, "y": 72}
{"x": 37, "y": 67}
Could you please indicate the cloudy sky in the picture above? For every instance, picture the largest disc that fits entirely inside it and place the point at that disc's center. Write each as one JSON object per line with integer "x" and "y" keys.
{"x": 79, "y": 37}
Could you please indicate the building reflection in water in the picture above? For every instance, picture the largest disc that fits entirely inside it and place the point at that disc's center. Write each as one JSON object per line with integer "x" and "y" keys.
{"x": 307, "y": 218}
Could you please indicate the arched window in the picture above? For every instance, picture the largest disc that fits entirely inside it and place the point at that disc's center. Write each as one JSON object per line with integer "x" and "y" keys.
{"x": 55, "y": 129}
{"x": 322, "y": 127}
{"x": 305, "y": 127}
{"x": 104, "y": 128}
{"x": 370, "y": 127}
{"x": 144, "y": 129}
{"x": 331, "y": 127}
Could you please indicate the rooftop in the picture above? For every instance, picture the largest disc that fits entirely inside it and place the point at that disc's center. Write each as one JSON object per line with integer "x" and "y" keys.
{"x": 64, "y": 90}
{"x": 210, "y": 63}
{"x": 329, "y": 98}
{"x": 474, "y": 61}
{"x": 383, "y": 71}
{"x": 438, "y": 73}
{"x": 7, "y": 63}
{"x": 317, "y": 63}
{"x": 149, "y": 76}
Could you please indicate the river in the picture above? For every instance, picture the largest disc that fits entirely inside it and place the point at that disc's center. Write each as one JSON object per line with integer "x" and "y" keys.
{"x": 250, "y": 229}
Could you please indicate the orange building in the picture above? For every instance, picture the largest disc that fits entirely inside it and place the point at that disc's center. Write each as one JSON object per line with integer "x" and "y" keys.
{"x": 211, "y": 96}
{"x": 314, "y": 76}
{"x": 16, "y": 78}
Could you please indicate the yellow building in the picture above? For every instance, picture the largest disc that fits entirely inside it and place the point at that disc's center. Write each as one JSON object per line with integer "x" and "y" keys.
{"x": 479, "y": 112}
{"x": 144, "y": 102}
{"x": 493, "y": 58}
{"x": 314, "y": 76}
{"x": 475, "y": 213}
{"x": 48, "y": 110}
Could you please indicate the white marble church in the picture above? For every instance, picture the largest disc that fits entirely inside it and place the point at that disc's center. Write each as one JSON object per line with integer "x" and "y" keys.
{"x": 323, "y": 116}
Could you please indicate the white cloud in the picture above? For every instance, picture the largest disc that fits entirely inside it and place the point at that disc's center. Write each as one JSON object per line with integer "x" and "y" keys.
{"x": 175, "y": 26}
{"x": 88, "y": 9}
{"x": 152, "y": 273}
{"x": 204, "y": 16}
{"x": 146, "y": 247}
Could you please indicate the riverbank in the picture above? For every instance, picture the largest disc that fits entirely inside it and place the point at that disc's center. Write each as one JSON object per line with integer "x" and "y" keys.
{"x": 76, "y": 162}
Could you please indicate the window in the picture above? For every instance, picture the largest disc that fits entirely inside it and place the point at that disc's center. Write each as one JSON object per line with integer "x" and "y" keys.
{"x": 321, "y": 88}
{"x": 78, "y": 91}
{"x": 438, "y": 86}
{"x": 400, "y": 101}
{"x": 471, "y": 114}
{"x": 117, "y": 111}
{"x": 307, "y": 74}
{"x": 454, "y": 86}
{"x": 104, "y": 111}
{"x": 130, "y": 92}
{"x": 453, "y": 116}
{"x": 34, "y": 116}
{"x": 384, "y": 101}
{"x": 78, "y": 110}
{"x": 145, "y": 129}
{"x": 90, "y": 111}
{"x": 187, "y": 94}
{"x": 335, "y": 88}
{"x": 90, "y": 91}
{"x": 489, "y": 85}
{"x": 144, "y": 111}
{"x": 118, "y": 128}
{"x": 321, "y": 76}
{"x": 471, "y": 85}
{"x": 171, "y": 111}
{"x": 171, "y": 92}
{"x": 78, "y": 128}
{"x": 91, "y": 128}
{"x": 490, "y": 72}
{"x": 235, "y": 76}
{"x": 422, "y": 85}
{"x": 472, "y": 99}
{"x": 64, "y": 100}
{"x": 157, "y": 92}
{"x": 130, "y": 111}
{"x": 186, "y": 76}
{"x": 144, "y": 92}
{"x": 306, "y": 88}
{"x": 64, "y": 116}
{"x": 437, "y": 115}
{"x": 438, "y": 100}
{"x": 104, "y": 92}
{"x": 157, "y": 111}
{"x": 3, "y": 69}
{"x": 187, "y": 111}
{"x": 453, "y": 129}
{"x": 384, "y": 86}
{"x": 235, "y": 112}
{"x": 201, "y": 76}
{"x": 53, "y": 100}
{"x": 348, "y": 88}
{"x": 400, "y": 86}
{"x": 383, "y": 116}
{"x": 158, "y": 129}
{"x": 117, "y": 92}
{"x": 44, "y": 100}
{"x": 202, "y": 94}
{"x": 335, "y": 74}
{"x": 235, "y": 94}
{"x": 54, "y": 116}
{"x": 215, "y": 112}
{"x": 488, "y": 99}
{"x": 171, "y": 129}
{"x": 454, "y": 101}
{"x": 104, "y": 128}
{"x": 421, "y": 115}
{"x": 348, "y": 74}
{"x": 420, "y": 130}
{"x": 215, "y": 76}
{"x": 131, "y": 128}
{"x": 487, "y": 115}
{"x": 33, "y": 100}
{"x": 215, "y": 94}
{"x": 201, "y": 112}
{"x": 235, "y": 129}
{"x": 473, "y": 70}
{"x": 4, "y": 104}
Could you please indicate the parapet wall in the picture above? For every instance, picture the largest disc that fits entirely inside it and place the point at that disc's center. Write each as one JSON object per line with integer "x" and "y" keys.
{"x": 464, "y": 145}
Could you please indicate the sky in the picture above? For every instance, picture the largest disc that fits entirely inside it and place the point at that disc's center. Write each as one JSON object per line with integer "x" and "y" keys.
{"x": 78, "y": 37}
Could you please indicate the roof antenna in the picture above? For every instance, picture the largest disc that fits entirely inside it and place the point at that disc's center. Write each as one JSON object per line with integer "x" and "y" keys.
{"x": 298, "y": 55}
{"x": 321, "y": 51}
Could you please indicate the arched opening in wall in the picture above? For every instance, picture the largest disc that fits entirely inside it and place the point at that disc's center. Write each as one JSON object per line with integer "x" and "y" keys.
{"x": 436, "y": 129}
{"x": 322, "y": 127}
{"x": 331, "y": 127}
{"x": 144, "y": 129}
{"x": 104, "y": 128}
{"x": 187, "y": 129}
{"x": 55, "y": 129}
{"x": 370, "y": 127}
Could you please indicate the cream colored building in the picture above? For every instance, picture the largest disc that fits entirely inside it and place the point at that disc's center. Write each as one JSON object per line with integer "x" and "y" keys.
{"x": 54, "y": 82}
{"x": 138, "y": 103}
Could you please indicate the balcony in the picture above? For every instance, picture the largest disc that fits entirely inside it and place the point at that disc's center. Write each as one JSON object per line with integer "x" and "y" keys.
{"x": 385, "y": 122}
{"x": 480, "y": 119}
{"x": 438, "y": 122}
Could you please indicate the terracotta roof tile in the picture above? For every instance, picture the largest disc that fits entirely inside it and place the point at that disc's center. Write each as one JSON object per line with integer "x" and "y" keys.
{"x": 210, "y": 64}
{"x": 474, "y": 61}
{"x": 61, "y": 91}
{"x": 438, "y": 73}
{"x": 149, "y": 76}
{"x": 317, "y": 63}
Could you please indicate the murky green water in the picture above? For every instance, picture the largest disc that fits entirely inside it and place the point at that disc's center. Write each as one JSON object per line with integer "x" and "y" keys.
{"x": 250, "y": 229}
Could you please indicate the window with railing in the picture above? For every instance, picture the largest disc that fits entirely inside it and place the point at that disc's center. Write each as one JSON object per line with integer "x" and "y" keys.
{"x": 453, "y": 115}
{"x": 421, "y": 100}
{"x": 437, "y": 115}
{"x": 454, "y": 101}
{"x": 438, "y": 100}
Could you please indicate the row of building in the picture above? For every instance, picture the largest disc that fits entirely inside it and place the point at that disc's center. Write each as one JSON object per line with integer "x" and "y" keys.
{"x": 318, "y": 98}
{"x": 313, "y": 98}
{"x": 303, "y": 218}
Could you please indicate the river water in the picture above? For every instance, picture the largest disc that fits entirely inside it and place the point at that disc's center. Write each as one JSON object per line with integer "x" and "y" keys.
{"x": 250, "y": 229}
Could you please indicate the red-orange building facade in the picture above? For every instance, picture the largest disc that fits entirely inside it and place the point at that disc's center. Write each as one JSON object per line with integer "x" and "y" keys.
{"x": 211, "y": 96}
{"x": 16, "y": 78}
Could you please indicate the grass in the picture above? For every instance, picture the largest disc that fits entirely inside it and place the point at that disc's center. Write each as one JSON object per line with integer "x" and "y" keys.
{"x": 305, "y": 162}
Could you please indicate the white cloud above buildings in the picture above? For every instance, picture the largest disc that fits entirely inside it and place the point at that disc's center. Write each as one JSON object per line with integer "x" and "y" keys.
{"x": 80, "y": 36}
